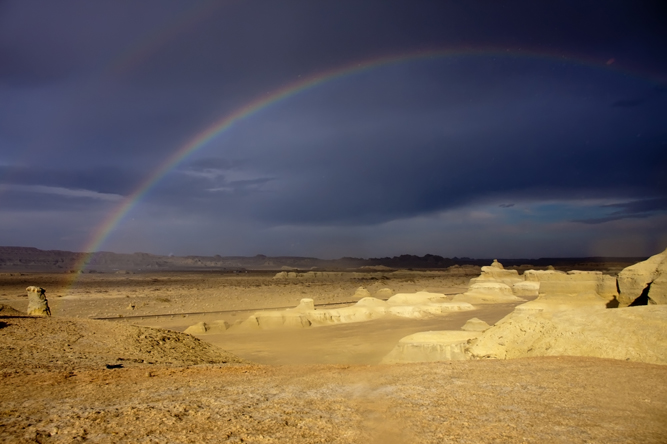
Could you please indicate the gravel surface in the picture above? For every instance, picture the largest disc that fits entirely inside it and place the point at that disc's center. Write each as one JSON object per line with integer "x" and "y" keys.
{"x": 556, "y": 400}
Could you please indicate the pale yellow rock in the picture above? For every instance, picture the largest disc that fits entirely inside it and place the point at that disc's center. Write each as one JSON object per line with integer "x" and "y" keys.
{"x": 276, "y": 319}
{"x": 496, "y": 273}
{"x": 573, "y": 282}
{"x": 560, "y": 301}
{"x": 475, "y": 324}
{"x": 199, "y": 328}
{"x": 525, "y": 288}
{"x": 349, "y": 314}
{"x": 408, "y": 311}
{"x": 430, "y": 346}
{"x": 38, "y": 305}
{"x": 658, "y": 292}
{"x": 366, "y": 309}
{"x": 488, "y": 293}
{"x": 384, "y": 293}
{"x": 633, "y": 280}
{"x": 202, "y": 328}
{"x": 306, "y": 304}
{"x": 632, "y": 333}
{"x": 371, "y": 302}
{"x": 361, "y": 292}
{"x": 444, "y": 307}
{"x": 420, "y": 297}
{"x": 218, "y": 326}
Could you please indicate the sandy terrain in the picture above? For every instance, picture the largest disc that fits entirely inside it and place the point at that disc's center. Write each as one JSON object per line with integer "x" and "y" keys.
{"x": 69, "y": 379}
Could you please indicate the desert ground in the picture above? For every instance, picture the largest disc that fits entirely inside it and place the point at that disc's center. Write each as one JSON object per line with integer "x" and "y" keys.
{"x": 99, "y": 371}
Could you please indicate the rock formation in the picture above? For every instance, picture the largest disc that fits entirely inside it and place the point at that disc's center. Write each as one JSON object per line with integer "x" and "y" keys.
{"x": 526, "y": 288}
{"x": 633, "y": 333}
{"x": 497, "y": 273}
{"x": 573, "y": 315}
{"x": 38, "y": 305}
{"x": 361, "y": 292}
{"x": 573, "y": 282}
{"x": 475, "y": 324}
{"x": 431, "y": 346}
{"x": 201, "y": 328}
{"x": 418, "y": 298}
{"x": 384, "y": 293}
{"x": 407, "y": 305}
{"x": 644, "y": 282}
{"x": 488, "y": 293}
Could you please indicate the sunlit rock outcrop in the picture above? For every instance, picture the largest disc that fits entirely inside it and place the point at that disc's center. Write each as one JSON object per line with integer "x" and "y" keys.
{"x": 475, "y": 324}
{"x": 552, "y": 282}
{"x": 431, "y": 346}
{"x": 488, "y": 293}
{"x": 201, "y": 328}
{"x": 497, "y": 273}
{"x": 644, "y": 282}
{"x": 633, "y": 333}
{"x": 38, "y": 305}
{"x": 406, "y": 305}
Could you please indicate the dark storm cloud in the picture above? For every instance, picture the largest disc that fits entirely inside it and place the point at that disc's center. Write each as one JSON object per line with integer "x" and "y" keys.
{"x": 95, "y": 96}
{"x": 635, "y": 209}
{"x": 655, "y": 92}
{"x": 628, "y": 103}
{"x": 361, "y": 161}
{"x": 113, "y": 180}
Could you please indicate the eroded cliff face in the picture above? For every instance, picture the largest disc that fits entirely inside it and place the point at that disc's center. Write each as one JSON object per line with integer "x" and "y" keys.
{"x": 574, "y": 314}
{"x": 644, "y": 282}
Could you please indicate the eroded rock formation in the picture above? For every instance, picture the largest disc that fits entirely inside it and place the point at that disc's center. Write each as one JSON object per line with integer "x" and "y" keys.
{"x": 431, "y": 346}
{"x": 407, "y": 305}
{"x": 573, "y": 315}
{"x": 633, "y": 333}
{"x": 644, "y": 282}
{"x": 38, "y": 305}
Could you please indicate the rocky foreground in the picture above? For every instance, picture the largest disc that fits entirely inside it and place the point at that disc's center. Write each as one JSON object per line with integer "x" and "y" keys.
{"x": 73, "y": 380}
{"x": 69, "y": 380}
{"x": 556, "y": 400}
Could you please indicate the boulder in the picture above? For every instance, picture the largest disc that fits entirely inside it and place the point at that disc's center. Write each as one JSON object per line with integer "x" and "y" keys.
{"x": 632, "y": 333}
{"x": 430, "y": 346}
{"x": 646, "y": 280}
{"x": 475, "y": 324}
{"x": 38, "y": 305}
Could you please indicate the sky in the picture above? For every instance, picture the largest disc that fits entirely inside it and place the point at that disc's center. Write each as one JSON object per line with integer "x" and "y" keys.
{"x": 462, "y": 128}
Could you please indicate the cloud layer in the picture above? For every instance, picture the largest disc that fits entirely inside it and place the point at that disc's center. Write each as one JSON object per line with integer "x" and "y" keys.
{"x": 539, "y": 126}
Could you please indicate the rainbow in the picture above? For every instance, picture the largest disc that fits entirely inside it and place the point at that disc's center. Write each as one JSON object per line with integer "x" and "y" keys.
{"x": 226, "y": 122}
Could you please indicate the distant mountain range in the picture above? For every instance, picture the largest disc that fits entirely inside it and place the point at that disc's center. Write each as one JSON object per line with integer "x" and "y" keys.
{"x": 33, "y": 259}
